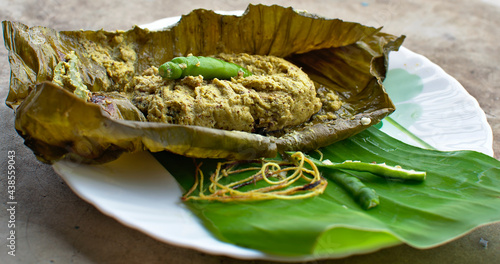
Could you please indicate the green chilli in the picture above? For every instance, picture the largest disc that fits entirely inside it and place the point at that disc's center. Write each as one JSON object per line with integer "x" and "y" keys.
{"x": 366, "y": 197}
{"x": 379, "y": 169}
{"x": 207, "y": 67}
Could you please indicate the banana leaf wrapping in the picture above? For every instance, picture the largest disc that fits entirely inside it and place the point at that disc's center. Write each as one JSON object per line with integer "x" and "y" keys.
{"x": 346, "y": 57}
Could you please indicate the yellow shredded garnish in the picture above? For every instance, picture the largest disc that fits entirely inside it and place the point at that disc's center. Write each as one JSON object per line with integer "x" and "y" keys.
{"x": 320, "y": 154}
{"x": 276, "y": 175}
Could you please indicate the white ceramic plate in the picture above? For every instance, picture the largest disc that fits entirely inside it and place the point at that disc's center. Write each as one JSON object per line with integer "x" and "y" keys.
{"x": 434, "y": 106}
{"x": 137, "y": 191}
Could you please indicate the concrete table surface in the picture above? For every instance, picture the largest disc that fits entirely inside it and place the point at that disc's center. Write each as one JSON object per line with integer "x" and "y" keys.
{"x": 53, "y": 225}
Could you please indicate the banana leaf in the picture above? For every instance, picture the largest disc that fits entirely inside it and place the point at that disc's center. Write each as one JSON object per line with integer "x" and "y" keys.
{"x": 461, "y": 192}
{"x": 348, "y": 58}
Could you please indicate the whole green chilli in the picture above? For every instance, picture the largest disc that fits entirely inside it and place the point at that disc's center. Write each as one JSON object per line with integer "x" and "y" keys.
{"x": 379, "y": 169}
{"x": 366, "y": 197}
{"x": 208, "y": 67}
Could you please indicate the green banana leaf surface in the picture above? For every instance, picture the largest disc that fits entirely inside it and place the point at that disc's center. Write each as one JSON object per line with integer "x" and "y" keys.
{"x": 461, "y": 192}
{"x": 347, "y": 58}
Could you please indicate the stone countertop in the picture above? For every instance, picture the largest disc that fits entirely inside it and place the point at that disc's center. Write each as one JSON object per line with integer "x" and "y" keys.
{"x": 53, "y": 225}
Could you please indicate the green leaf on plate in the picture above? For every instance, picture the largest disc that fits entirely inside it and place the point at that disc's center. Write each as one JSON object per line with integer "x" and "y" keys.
{"x": 461, "y": 192}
